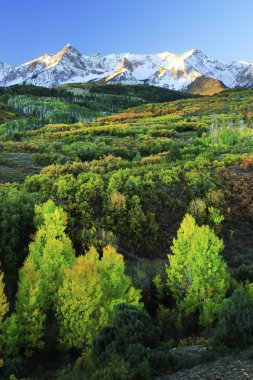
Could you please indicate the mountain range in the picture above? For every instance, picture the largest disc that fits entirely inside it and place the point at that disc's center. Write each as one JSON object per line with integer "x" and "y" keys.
{"x": 188, "y": 71}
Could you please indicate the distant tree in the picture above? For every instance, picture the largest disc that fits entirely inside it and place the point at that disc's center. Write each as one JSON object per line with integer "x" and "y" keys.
{"x": 197, "y": 274}
{"x": 137, "y": 156}
{"x": 174, "y": 152}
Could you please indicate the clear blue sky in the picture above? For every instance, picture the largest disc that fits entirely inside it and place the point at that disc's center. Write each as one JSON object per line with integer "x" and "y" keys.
{"x": 221, "y": 28}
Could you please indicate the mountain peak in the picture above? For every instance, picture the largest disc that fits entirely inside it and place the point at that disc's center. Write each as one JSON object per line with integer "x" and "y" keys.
{"x": 163, "y": 70}
{"x": 192, "y": 53}
{"x": 195, "y": 51}
{"x": 69, "y": 49}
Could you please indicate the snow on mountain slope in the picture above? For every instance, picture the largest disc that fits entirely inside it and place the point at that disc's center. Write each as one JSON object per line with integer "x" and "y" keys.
{"x": 4, "y": 69}
{"x": 163, "y": 69}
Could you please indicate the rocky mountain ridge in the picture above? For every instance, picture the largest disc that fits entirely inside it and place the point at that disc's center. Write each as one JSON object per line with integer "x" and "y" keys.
{"x": 163, "y": 70}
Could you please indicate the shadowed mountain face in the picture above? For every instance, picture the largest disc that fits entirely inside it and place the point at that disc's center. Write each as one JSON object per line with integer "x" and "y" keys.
{"x": 180, "y": 72}
{"x": 206, "y": 86}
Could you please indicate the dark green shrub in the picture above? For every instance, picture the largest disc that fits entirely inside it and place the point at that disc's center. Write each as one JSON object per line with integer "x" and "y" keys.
{"x": 244, "y": 273}
{"x": 174, "y": 152}
{"x": 235, "y": 324}
{"x": 134, "y": 341}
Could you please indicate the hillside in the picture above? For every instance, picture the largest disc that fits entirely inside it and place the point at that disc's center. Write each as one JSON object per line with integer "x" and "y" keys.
{"x": 7, "y": 113}
{"x": 179, "y": 138}
{"x": 28, "y": 107}
{"x": 147, "y": 93}
{"x": 76, "y": 102}
{"x": 126, "y": 233}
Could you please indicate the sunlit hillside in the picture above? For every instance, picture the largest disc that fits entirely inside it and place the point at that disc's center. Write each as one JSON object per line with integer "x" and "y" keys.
{"x": 113, "y": 213}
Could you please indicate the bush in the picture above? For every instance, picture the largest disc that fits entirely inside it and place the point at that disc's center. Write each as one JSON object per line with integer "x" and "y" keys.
{"x": 166, "y": 320}
{"x": 235, "y": 324}
{"x": 244, "y": 273}
{"x": 132, "y": 343}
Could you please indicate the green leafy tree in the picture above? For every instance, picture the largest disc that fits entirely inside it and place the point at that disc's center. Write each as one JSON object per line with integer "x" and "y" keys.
{"x": 10, "y": 339}
{"x": 84, "y": 197}
{"x": 52, "y": 251}
{"x": 4, "y": 307}
{"x": 16, "y": 225}
{"x": 197, "y": 275}
{"x": 42, "y": 274}
{"x": 89, "y": 294}
{"x": 30, "y": 307}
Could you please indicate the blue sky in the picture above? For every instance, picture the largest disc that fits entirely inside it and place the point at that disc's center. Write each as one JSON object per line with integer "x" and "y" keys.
{"x": 221, "y": 28}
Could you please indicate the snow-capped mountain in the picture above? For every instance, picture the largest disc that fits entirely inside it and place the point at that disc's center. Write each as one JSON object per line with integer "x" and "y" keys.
{"x": 4, "y": 70}
{"x": 163, "y": 69}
